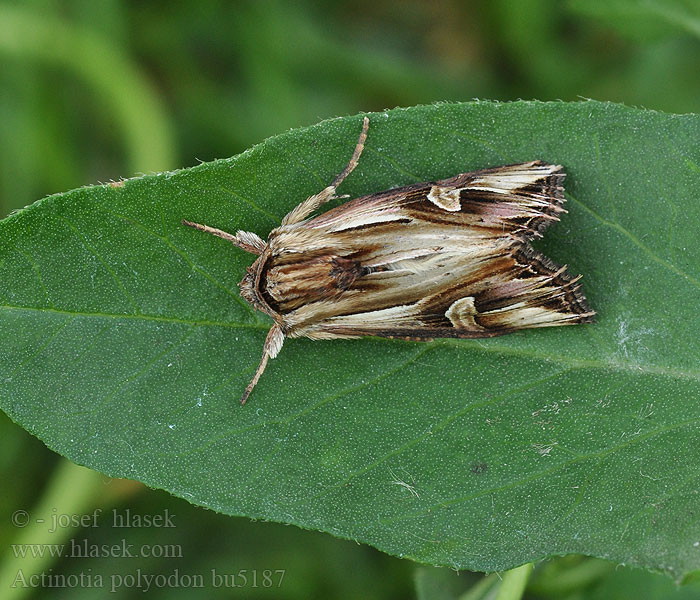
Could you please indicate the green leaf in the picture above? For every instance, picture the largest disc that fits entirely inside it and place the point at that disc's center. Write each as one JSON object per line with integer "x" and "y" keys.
{"x": 124, "y": 346}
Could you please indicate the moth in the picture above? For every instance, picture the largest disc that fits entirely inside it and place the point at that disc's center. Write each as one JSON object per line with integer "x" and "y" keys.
{"x": 442, "y": 259}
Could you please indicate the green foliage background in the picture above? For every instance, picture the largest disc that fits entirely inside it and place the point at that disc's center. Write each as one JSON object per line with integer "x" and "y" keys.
{"x": 98, "y": 91}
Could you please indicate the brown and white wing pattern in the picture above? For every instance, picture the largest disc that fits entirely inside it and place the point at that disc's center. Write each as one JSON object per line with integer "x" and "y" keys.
{"x": 444, "y": 259}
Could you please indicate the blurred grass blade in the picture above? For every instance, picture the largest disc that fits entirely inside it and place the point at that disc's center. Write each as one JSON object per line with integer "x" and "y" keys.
{"x": 71, "y": 491}
{"x": 514, "y": 581}
{"x": 120, "y": 87}
{"x": 644, "y": 19}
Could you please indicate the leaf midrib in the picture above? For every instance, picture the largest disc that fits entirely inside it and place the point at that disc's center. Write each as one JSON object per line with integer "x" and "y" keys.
{"x": 139, "y": 316}
{"x": 576, "y": 363}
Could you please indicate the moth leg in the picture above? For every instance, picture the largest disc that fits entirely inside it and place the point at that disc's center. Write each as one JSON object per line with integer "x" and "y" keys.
{"x": 309, "y": 205}
{"x": 246, "y": 240}
{"x": 273, "y": 344}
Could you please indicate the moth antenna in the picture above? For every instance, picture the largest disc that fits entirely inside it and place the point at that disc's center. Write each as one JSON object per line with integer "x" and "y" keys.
{"x": 250, "y": 242}
{"x": 273, "y": 344}
{"x": 354, "y": 159}
{"x": 309, "y": 205}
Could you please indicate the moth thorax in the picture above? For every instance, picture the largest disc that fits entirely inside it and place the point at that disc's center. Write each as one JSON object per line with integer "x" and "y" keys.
{"x": 304, "y": 281}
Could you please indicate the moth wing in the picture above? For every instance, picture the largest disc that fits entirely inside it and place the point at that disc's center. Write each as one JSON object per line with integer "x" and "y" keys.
{"x": 444, "y": 259}
{"x": 521, "y": 290}
{"x": 519, "y": 200}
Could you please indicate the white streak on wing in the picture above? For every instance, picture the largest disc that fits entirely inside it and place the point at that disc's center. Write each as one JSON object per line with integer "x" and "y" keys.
{"x": 366, "y": 218}
{"x": 395, "y": 315}
{"x": 395, "y": 257}
{"x": 505, "y": 182}
{"x": 535, "y": 316}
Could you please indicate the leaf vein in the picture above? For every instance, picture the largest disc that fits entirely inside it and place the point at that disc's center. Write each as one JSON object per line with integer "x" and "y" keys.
{"x": 41, "y": 348}
{"x": 189, "y": 261}
{"x": 110, "y": 395}
{"x": 670, "y": 266}
{"x": 546, "y": 473}
{"x": 104, "y": 263}
{"x": 252, "y": 204}
{"x": 138, "y": 317}
{"x": 37, "y": 271}
{"x": 438, "y": 427}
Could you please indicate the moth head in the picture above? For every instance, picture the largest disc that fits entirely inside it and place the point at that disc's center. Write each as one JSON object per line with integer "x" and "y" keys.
{"x": 247, "y": 285}
{"x": 251, "y": 287}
